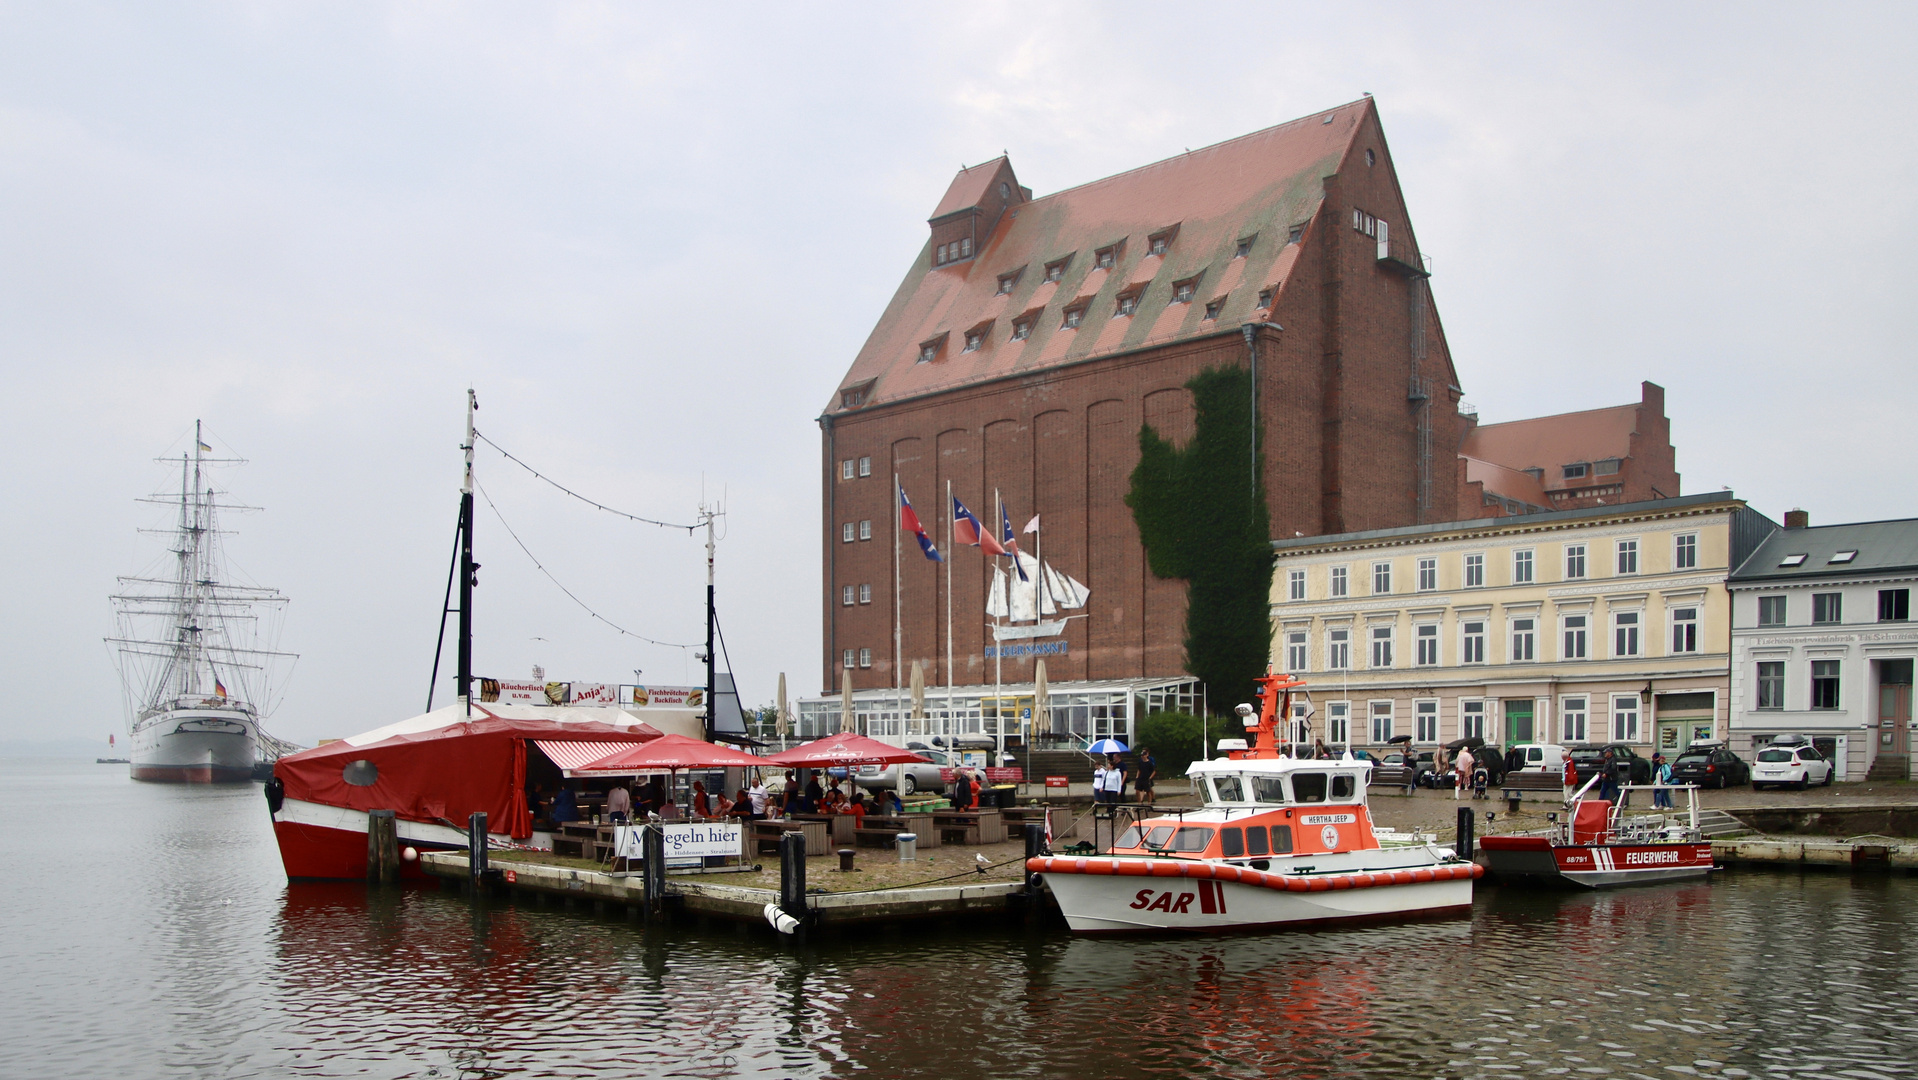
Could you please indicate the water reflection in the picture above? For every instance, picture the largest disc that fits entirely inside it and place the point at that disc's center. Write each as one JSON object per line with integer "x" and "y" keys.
{"x": 178, "y": 950}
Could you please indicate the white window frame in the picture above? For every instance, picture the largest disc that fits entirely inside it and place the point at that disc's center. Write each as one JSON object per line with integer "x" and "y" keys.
{"x": 1574, "y": 718}
{"x": 1760, "y": 677}
{"x": 1626, "y": 719}
{"x": 865, "y": 529}
{"x": 846, "y": 594}
{"x": 845, "y": 469}
{"x": 1628, "y": 630}
{"x": 1338, "y": 648}
{"x": 1295, "y": 584}
{"x": 1577, "y": 561}
{"x": 1685, "y": 551}
{"x": 847, "y": 532}
{"x": 1379, "y": 639}
{"x": 1425, "y": 645}
{"x": 1382, "y": 578}
{"x": 1428, "y": 574}
{"x": 1575, "y": 641}
{"x": 1471, "y": 718}
{"x": 1474, "y": 564}
{"x": 1625, "y": 552}
{"x": 1296, "y": 649}
{"x": 1522, "y": 649}
{"x": 1340, "y": 581}
{"x": 1524, "y": 566}
{"x": 1684, "y": 637}
{"x": 1381, "y": 717}
{"x": 865, "y": 594}
{"x": 849, "y": 660}
{"x": 1338, "y": 722}
{"x": 1472, "y": 645}
{"x": 1425, "y": 721}
{"x": 865, "y": 658}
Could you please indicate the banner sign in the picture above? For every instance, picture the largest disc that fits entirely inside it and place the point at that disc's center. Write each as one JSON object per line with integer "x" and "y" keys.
{"x": 1011, "y": 774}
{"x": 1031, "y": 648}
{"x": 677, "y": 697}
{"x": 701, "y": 840}
{"x": 1058, "y": 781}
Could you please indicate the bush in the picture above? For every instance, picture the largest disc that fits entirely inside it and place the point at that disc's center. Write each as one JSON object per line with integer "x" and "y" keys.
{"x": 1176, "y": 739}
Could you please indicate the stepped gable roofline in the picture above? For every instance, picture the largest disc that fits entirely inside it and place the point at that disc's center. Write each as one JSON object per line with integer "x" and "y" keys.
{"x": 1883, "y": 547}
{"x": 1549, "y": 443}
{"x": 1258, "y": 184}
{"x": 1525, "y": 522}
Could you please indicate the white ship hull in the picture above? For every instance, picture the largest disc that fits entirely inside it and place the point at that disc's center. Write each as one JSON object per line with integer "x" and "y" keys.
{"x": 1128, "y": 895}
{"x": 208, "y": 745}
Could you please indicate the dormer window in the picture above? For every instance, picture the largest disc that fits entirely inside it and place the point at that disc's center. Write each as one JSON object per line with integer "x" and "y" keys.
{"x": 1161, "y": 242}
{"x": 953, "y": 252}
{"x": 1021, "y": 329}
{"x": 1606, "y": 467}
{"x": 1007, "y": 281}
{"x": 929, "y": 349}
{"x": 853, "y": 396}
{"x": 1265, "y": 298}
{"x": 1128, "y": 303}
{"x": 1106, "y": 258}
{"x": 1182, "y": 290}
{"x": 974, "y": 339}
{"x": 1295, "y": 234}
{"x": 1075, "y": 315}
{"x": 1212, "y": 309}
{"x": 1575, "y": 472}
{"x": 1245, "y": 246}
{"x": 1056, "y": 271}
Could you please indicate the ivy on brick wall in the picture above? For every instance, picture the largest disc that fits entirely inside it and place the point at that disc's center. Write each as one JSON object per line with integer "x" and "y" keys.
{"x": 1203, "y": 520}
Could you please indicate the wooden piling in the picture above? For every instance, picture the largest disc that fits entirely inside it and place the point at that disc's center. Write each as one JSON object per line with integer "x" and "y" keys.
{"x": 382, "y": 847}
{"x": 1466, "y": 824}
{"x": 476, "y": 847}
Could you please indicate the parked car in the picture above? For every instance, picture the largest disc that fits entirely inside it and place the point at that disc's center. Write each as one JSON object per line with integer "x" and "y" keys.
{"x": 920, "y": 776}
{"x": 1541, "y": 757}
{"x": 1492, "y": 760}
{"x": 1710, "y": 765}
{"x": 1631, "y": 768}
{"x": 1782, "y": 765}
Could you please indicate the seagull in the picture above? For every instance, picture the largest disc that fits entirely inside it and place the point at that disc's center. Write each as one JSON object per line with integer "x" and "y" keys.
{"x": 982, "y": 861}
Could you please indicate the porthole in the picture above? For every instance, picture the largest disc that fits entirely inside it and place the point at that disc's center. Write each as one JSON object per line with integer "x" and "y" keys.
{"x": 361, "y": 773}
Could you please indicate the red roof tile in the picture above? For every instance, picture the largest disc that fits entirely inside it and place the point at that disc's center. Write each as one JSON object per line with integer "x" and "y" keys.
{"x": 1259, "y": 183}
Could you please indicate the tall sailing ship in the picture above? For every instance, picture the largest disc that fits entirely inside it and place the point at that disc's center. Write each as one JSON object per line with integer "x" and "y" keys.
{"x": 195, "y": 648}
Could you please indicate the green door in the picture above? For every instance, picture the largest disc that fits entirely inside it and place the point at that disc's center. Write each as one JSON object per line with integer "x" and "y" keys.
{"x": 1518, "y": 722}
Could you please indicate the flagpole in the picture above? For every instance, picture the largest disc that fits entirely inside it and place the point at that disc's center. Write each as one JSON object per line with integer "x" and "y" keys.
{"x": 898, "y": 507}
{"x": 999, "y": 654}
{"x": 949, "y": 554}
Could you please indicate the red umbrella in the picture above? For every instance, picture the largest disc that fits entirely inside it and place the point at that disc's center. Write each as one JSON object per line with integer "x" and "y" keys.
{"x": 845, "y": 748}
{"x": 669, "y": 753}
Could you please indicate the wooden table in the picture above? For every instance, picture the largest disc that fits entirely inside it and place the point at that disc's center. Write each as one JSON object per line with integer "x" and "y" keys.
{"x": 920, "y": 825}
{"x": 838, "y": 826}
{"x": 974, "y": 827}
{"x": 583, "y": 839}
{"x": 769, "y": 831}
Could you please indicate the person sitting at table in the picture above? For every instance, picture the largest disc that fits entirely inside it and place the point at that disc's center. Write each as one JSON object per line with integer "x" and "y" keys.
{"x": 814, "y": 793}
{"x": 722, "y": 806}
{"x": 536, "y": 801}
{"x": 702, "y": 806}
{"x": 962, "y": 790}
{"x": 742, "y": 806}
{"x": 669, "y": 810}
{"x": 856, "y": 808}
{"x": 565, "y": 807}
{"x": 619, "y": 805}
{"x": 889, "y": 802}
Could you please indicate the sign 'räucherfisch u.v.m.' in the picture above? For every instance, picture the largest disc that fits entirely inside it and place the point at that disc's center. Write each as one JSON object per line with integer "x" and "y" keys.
{"x": 694, "y": 841}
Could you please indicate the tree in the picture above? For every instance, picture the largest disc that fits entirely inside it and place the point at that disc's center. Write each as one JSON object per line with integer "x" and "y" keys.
{"x": 1202, "y": 516}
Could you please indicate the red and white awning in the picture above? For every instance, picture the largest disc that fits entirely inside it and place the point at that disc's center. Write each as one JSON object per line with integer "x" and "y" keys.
{"x": 572, "y": 754}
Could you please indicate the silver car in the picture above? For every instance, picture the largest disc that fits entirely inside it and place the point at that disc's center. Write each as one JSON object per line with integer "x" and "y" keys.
{"x": 920, "y": 776}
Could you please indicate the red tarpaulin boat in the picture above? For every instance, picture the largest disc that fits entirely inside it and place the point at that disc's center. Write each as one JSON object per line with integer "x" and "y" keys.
{"x": 432, "y": 771}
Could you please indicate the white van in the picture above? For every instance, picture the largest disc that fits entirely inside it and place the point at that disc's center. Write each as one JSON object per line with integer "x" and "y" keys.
{"x": 1541, "y": 757}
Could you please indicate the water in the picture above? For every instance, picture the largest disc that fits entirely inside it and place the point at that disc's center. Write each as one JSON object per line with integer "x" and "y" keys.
{"x": 150, "y": 932}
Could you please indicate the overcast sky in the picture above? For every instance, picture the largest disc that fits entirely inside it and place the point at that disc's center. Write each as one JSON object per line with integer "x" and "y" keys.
{"x": 653, "y": 238}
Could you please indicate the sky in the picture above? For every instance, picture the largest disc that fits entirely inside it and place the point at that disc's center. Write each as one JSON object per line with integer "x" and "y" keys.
{"x": 653, "y": 237}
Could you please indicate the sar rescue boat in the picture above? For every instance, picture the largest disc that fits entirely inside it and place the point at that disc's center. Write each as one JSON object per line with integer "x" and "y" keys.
{"x": 1597, "y": 846}
{"x": 1280, "y": 842}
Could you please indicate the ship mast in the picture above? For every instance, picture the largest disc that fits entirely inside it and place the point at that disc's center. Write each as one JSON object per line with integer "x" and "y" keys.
{"x": 467, "y": 566}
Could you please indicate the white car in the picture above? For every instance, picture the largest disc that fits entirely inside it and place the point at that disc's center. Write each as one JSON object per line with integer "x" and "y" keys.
{"x": 919, "y": 776}
{"x": 1542, "y": 757}
{"x": 1797, "y": 766}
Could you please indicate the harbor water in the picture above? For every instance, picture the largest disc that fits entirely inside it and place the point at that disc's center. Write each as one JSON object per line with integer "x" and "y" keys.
{"x": 151, "y": 933}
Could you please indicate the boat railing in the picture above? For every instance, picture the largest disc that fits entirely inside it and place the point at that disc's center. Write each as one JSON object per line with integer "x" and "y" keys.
{"x": 1676, "y": 826}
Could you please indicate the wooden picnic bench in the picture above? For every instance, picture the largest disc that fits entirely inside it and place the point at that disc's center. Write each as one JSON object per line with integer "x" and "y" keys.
{"x": 766, "y": 834}
{"x": 972, "y": 827}
{"x": 1544, "y": 784}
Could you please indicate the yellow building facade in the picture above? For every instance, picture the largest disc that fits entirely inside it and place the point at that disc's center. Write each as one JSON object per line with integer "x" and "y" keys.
{"x": 1610, "y": 624}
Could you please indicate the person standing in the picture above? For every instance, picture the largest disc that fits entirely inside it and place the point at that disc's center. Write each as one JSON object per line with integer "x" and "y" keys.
{"x": 1148, "y": 775}
{"x": 1463, "y": 766}
{"x": 619, "y": 805}
{"x": 1661, "y": 781}
{"x": 758, "y": 796}
{"x": 1608, "y": 777}
{"x": 1099, "y": 783}
{"x": 1115, "y": 780}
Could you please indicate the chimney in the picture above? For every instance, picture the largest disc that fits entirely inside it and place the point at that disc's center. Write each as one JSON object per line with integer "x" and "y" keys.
{"x": 1797, "y": 519}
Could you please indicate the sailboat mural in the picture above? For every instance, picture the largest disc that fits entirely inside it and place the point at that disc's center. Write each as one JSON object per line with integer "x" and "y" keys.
{"x": 1026, "y": 599}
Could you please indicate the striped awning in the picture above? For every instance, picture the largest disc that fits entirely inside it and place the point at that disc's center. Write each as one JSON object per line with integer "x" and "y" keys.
{"x": 572, "y": 754}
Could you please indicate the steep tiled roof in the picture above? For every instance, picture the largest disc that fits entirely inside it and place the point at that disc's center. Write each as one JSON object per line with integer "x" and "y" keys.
{"x": 1549, "y": 442}
{"x": 1882, "y": 547}
{"x": 1503, "y": 480}
{"x": 1261, "y": 184}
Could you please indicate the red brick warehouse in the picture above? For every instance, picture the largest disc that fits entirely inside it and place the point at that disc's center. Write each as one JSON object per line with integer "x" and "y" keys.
{"x": 1032, "y": 337}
